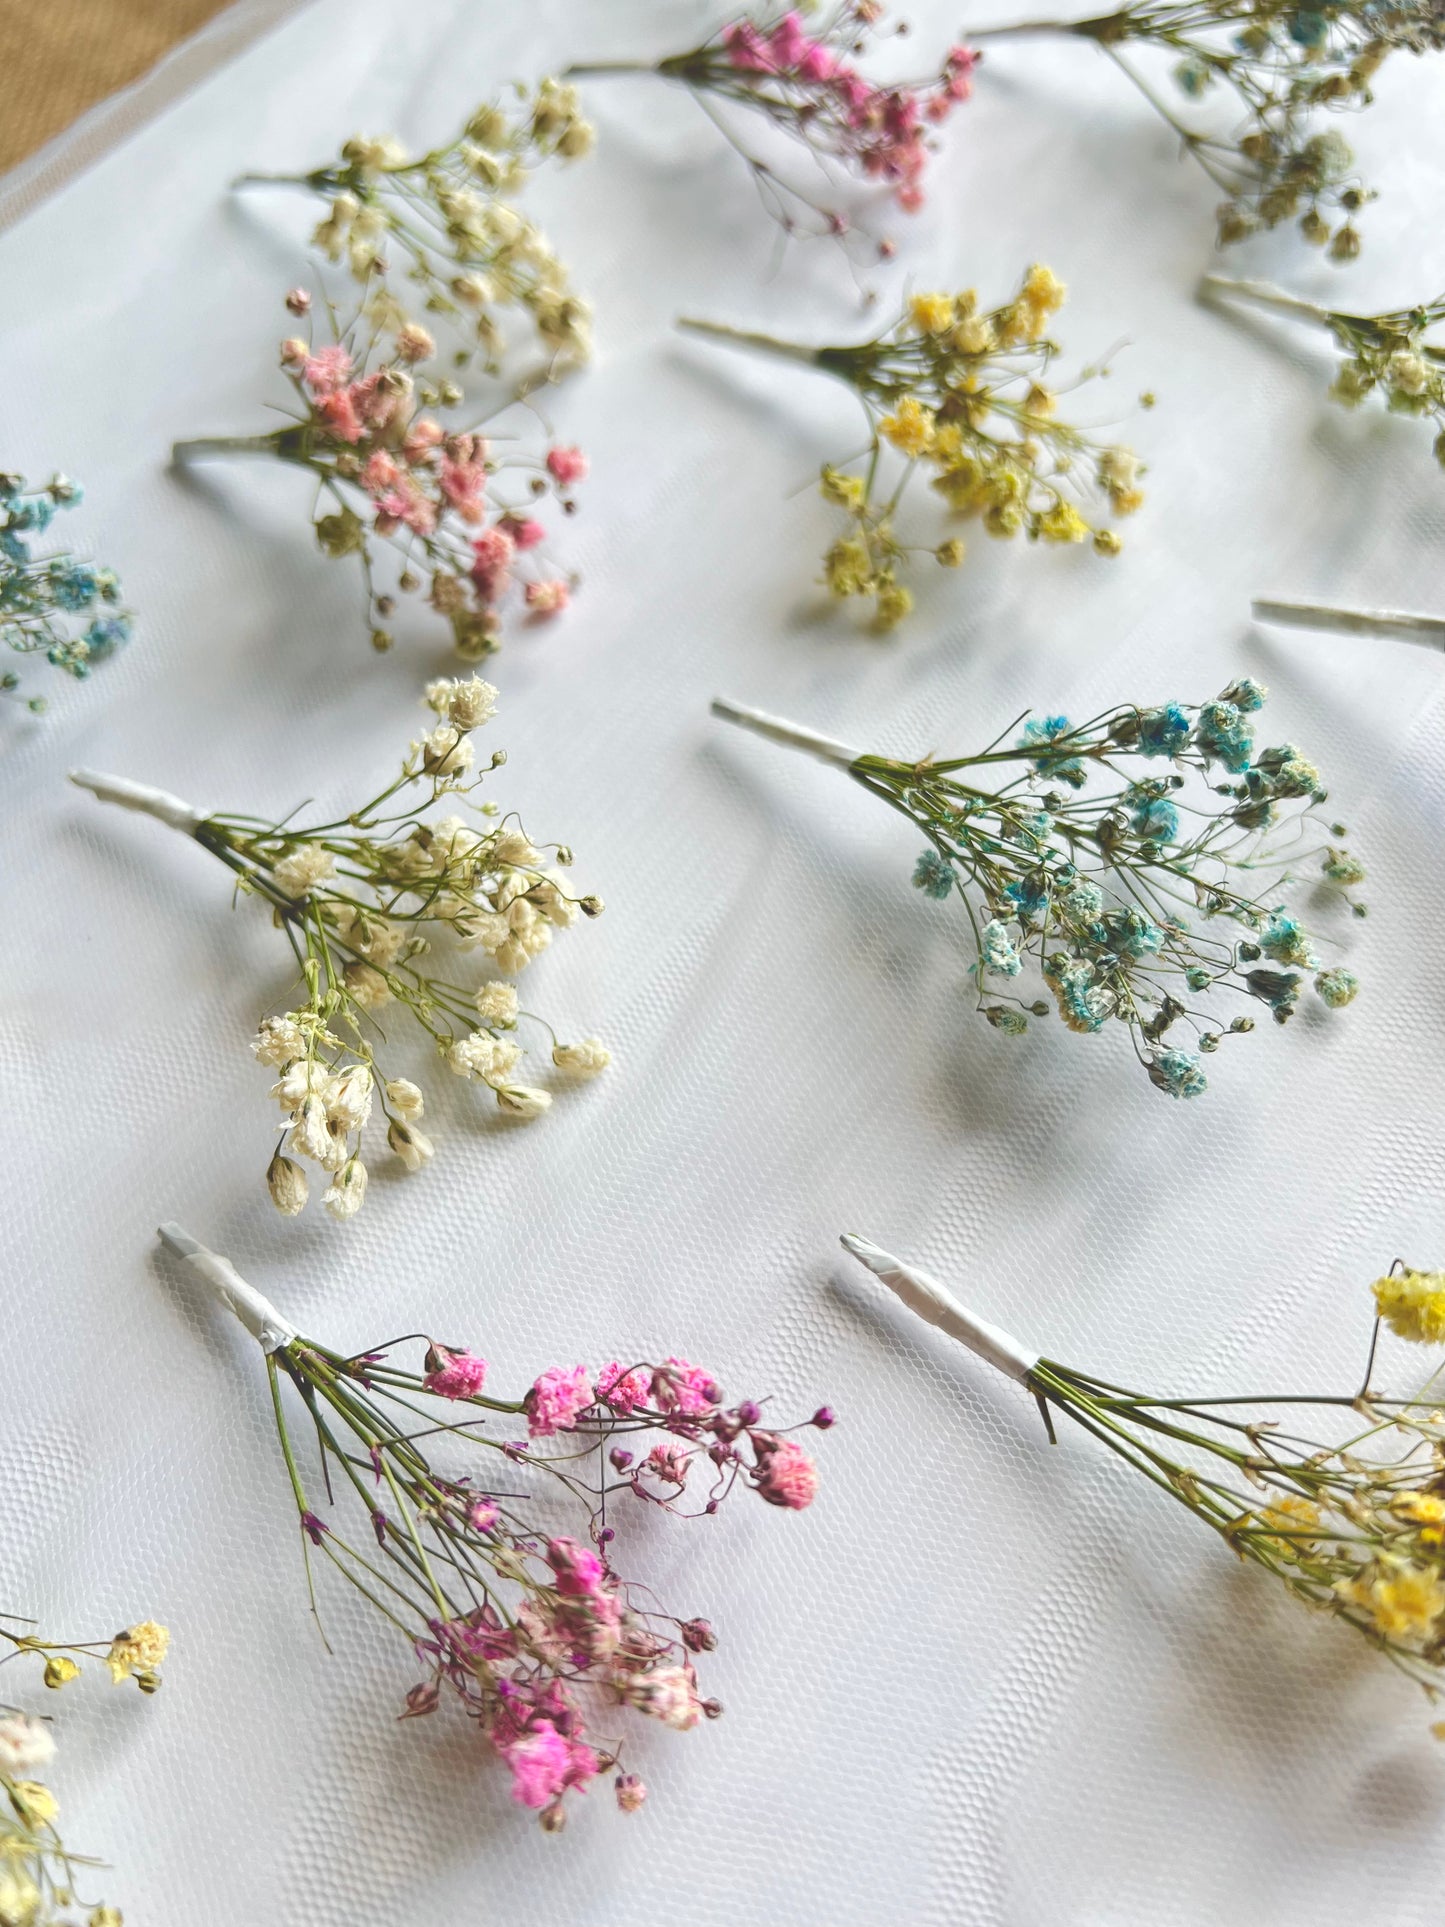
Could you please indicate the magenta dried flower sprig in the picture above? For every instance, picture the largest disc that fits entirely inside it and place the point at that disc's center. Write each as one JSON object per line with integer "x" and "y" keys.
{"x": 486, "y": 1530}
{"x": 446, "y": 222}
{"x": 804, "y": 81}
{"x": 365, "y": 902}
{"x": 1139, "y": 898}
{"x": 455, "y": 504}
{"x": 1352, "y": 1523}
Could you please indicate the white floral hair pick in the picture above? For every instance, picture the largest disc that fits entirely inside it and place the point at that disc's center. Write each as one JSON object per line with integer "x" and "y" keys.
{"x": 375, "y": 906}
{"x": 1353, "y": 1524}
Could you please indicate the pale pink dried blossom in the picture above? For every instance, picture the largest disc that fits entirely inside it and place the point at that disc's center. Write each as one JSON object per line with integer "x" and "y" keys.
{"x": 566, "y": 465}
{"x": 786, "y": 1475}
{"x": 547, "y": 598}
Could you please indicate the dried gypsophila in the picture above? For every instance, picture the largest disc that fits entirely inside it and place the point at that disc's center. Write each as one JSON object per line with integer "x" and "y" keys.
{"x": 962, "y": 395}
{"x": 1384, "y": 354}
{"x": 136, "y": 1652}
{"x": 390, "y": 470}
{"x": 1353, "y": 1524}
{"x": 362, "y": 899}
{"x": 43, "y": 597}
{"x": 804, "y": 83}
{"x": 1283, "y": 64}
{"x": 38, "y": 1873}
{"x": 1098, "y": 891}
{"x": 536, "y": 1632}
{"x": 446, "y": 220}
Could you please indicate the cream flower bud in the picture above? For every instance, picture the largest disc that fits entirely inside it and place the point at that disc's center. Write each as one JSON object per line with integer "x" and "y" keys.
{"x": 366, "y": 986}
{"x": 311, "y": 1135}
{"x": 466, "y": 703}
{"x": 404, "y": 1098}
{"x": 413, "y": 1147}
{"x": 346, "y": 1190}
{"x": 25, "y": 1744}
{"x": 522, "y": 1101}
{"x": 305, "y": 1078}
{"x": 582, "y": 1060}
{"x": 348, "y": 1103}
{"x": 1409, "y": 373}
{"x": 287, "y": 1184}
{"x": 473, "y": 290}
{"x": 513, "y": 954}
{"x": 297, "y": 871}
{"x": 497, "y": 1003}
{"x": 511, "y": 847}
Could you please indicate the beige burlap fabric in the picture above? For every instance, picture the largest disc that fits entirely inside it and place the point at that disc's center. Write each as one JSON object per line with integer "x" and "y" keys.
{"x": 58, "y": 60}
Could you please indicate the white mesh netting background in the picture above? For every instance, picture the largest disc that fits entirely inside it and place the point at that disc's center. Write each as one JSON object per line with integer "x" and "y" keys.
{"x": 980, "y": 1681}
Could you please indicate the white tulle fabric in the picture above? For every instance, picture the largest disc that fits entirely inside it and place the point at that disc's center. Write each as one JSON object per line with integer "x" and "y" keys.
{"x": 981, "y": 1682}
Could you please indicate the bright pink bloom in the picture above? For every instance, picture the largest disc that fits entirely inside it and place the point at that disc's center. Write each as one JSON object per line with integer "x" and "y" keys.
{"x": 338, "y": 411}
{"x": 566, "y": 465}
{"x": 747, "y": 49}
{"x": 548, "y": 598}
{"x": 787, "y": 1476}
{"x": 818, "y": 63}
{"x": 623, "y": 1391}
{"x": 463, "y": 483}
{"x": 526, "y": 532}
{"x": 326, "y": 370}
{"x": 788, "y": 43}
{"x": 492, "y": 569}
{"x": 579, "y": 1570}
{"x": 482, "y": 1516}
{"x": 454, "y": 1374}
{"x": 685, "y": 1389}
{"x": 405, "y": 504}
{"x": 556, "y": 1400}
{"x": 544, "y": 1764}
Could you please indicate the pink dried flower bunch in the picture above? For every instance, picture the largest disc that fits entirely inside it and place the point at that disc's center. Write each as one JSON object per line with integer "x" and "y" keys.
{"x": 537, "y": 1632}
{"x": 808, "y": 85}
{"x": 388, "y": 468}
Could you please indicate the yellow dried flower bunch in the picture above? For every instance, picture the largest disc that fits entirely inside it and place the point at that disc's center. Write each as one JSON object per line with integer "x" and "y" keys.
{"x": 963, "y": 394}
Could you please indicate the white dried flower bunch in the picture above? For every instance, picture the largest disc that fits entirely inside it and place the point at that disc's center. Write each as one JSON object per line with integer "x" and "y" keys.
{"x": 362, "y": 900}
{"x": 445, "y": 221}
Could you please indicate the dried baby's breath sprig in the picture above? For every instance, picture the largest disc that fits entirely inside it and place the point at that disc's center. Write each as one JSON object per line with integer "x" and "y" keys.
{"x": 963, "y": 395}
{"x": 1384, "y": 354}
{"x": 445, "y": 219}
{"x": 1282, "y": 64}
{"x": 136, "y": 1652}
{"x": 1353, "y": 1524}
{"x": 38, "y": 1874}
{"x": 363, "y": 900}
{"x": 1117, "y": 897}
{"x": 454, "y": 505}
{"x": 44, "y": 597}
{"x": 451, "y": 1511}
{"x": 804, "y": 83}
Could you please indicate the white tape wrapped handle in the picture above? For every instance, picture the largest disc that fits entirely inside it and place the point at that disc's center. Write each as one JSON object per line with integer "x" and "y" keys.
{"x": 161, "y": 804}
{"x": 256, "y": 1312}
{"x": 938, "y": 1306}
{"x": 778, "y": 729}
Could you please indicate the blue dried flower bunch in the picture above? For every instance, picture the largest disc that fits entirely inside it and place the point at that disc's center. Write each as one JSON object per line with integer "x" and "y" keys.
{"x": 44, "y": 597}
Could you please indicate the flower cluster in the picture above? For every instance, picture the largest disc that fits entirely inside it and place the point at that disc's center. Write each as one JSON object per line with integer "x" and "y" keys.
{"x": 1281, "y": 63}
{"x": 136, "y": 1652}
{"x": 448, "y": 217}
{"x": 458, "y": 515}
{"x": 806, "y": 84}
{"x": 535, "y": 1631}
{"x": 44, "y": 597}
{"x": 363, "y": 900}
{"x": 963, "y": 395}
{"x": 1117, "y": 897}
{"x": 1384, "y": 354}
{"x": 37, "y": 1874}
{"x": 1353, "y": 1523}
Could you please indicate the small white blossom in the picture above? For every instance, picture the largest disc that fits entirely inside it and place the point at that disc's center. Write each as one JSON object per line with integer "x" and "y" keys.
{"x": 346, "y": 1190}
{"x": 311, "y": 1135}
{"x": 413, "y": 1147}
{"x": 287, "y": 1184}
{"x": 348, "y": 1103}
{"x": 522, "y": 1101}
{"x": 582, "y": 1060}
{"x": 367, "y": 986}
{"x": 465, "y": 703}
{"x": 497, "y": 1003}
{"x": 25, "y": 1745}
{"x": 404, "y": 1098}
{"x": 278, "y": 1040}
{"x": 301, "y": 868}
